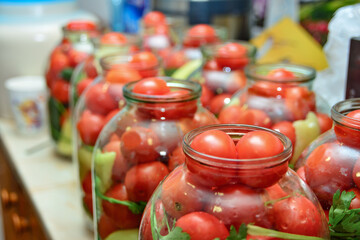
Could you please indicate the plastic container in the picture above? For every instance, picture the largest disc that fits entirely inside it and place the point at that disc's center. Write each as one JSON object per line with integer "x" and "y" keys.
{"x": 101, "y": 101}
{"x": 138, "y": 148}
{"x": 279, "y": 96}
{"x": 223, "y": 71}
{"x": 332, "y": 162}
{"x": 207, "y": 196}
{"x": 74, "y": 48}
{"x": 31, "y": 28}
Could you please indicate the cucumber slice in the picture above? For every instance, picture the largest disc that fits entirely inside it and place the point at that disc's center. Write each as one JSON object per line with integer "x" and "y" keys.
{"x": 104, "y": 163}
{"x": 84, "y": 158}
{"x": 187, "y": 69}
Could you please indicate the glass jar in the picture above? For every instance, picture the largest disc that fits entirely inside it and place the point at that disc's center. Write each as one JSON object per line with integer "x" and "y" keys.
{"x": 110, "y": 43}
{"x": 75, "y": 47}
{"x": 207, "y": 196}
{"x": 279, "y": 96}
{"x": 332, "y": 161}
{"x": 100, "y": 101}
{"x": 137, "y": 149}
{"x": 223, "y": 71}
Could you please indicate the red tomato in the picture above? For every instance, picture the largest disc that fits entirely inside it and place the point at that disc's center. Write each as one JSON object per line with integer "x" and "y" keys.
{"x": 89, "y": 127}
{"x": 180, "y": 196}
{"x": 206, "y": 96}
{"x": 215, "y": 143}
{"x": 175, "y": 110}
{"x": 89, "y": 68}
{"x": 355, "y": 203}
{"x": 139, "y": 145}
{"x": 212, "y": 65}
{"x": 176, "y": 158}
{"x": 239, "y": 204}
{"x": 141, "y": 180}
{"x": 200, "y": 34}
{"x": 356, "y": 173}
{"x": 83, "y": 84}
{"x": 98, "y": 99}
{"x": 231, "y": 114}
{"x": 232, "y": 55}
{"x": 154, "y": 18}
{"x": 86, "y": 183}
{"x": 329, "y": 168}
{"x": 120, "y": 214}
{"x": 286, "y": 128}
{"x": 325, "y": 122}
{"x": 255, "y": 117}
{"x": 58, "y": 61}
{"x": 175, "y": 60}
{"x": 281, "y": 74}
{"x": 218, "y": 102}
{"x": 80, "y": 25}
{"x": 151, "y": 86}
{"x": 110, "y": 115}
{"x": 106, "y": 226}
{"x": 145, "y": 63}
{"x": 60, "y": 91}
{"x": 120, "y": 164}
{"x": 88, "y": 202}
{"x": 122, "y": 74}
{"x": 299, "y": 101}
{"x": 297, "y": 215}
{"x": 349, "y": 133}
{"x": 76, "y": 57}
{"x": 275, "y": 192}
{"x": 301, "y": 173}
{"x": 202, "y": 226}
{"x": 113, "y": 38}
{"x": 258, "y": 144}
{"x": 268, "y": 89}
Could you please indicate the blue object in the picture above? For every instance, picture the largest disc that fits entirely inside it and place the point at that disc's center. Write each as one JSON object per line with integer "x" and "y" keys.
{"x": 126, "y": 14}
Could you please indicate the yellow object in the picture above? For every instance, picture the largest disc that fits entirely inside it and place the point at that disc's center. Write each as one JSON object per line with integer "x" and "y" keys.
{"x": 306, "y": 131}
{"x": 289, "y": 42}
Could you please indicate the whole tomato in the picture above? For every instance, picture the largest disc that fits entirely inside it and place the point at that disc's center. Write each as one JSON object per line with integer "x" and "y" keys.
{"x": 89, "y": 127}
{"x": 281, "y": 74}
{"x": 218, "y": 102}
{"x": 122, "y": 75}
{"x": 202, "y": 226}
{"x": 329, "y": 168}
{"x": 297, "y": 215}
{"x": 179, "y": 195}
{"x": 76, "y": 57}
{"x": 232, "y": 55}
{"x": 299, "y": 101}
{"x": 325, "y": 122}
{"x": 239, "y": 204}
{"x": 258, "y": 144}
{"x": 139, "y": 145}
{"x": 98, "y": 99}
{"x": 60, "y": 91}
{"x": 58, "y": 62}
{"x": 349, "y": 133}
{"x": 81, "y": 86}
{"x": 176, "y": 158}
{"x": 200, "y": 34}
{"x": 106, "y": 226}
{"x": 215, "y": 143}
{"x": 355, "y": 203}
{"x": 206, "y": 96}
{"x": 145, "y": 63}
{"x": 154, "y": 18}
{"x": 120, "y": 214}
{"x": 286, "y": 128}
{"x": 245, "y": 116}
{"x": 113, "y": 38}
{"x": 151, "y": 86}
{"x": 175, "y": 60}
{"x": 142, "y": 179}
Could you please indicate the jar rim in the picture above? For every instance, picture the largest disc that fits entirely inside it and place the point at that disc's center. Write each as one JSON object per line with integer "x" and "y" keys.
{"x": 211, "y": 48}
{"x": 194, "y": 89}
{"x": 111, "y": 60}
{"x": 340, "y": 109}
{"x": 239, "y": 130}
{"x": 303, "y": 73}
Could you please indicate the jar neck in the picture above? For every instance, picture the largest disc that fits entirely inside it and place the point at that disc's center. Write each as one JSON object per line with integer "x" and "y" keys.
{"x": 341, "y": 109}
{"x": 236, "y": 131}
{"x": 37, "y": 9}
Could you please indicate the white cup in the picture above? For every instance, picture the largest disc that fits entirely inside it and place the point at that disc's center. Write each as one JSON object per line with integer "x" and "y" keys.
{"x": 28, "y": 102}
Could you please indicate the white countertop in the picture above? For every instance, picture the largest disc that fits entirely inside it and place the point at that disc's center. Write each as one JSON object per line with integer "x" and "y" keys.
{"x": 50, "y": 182}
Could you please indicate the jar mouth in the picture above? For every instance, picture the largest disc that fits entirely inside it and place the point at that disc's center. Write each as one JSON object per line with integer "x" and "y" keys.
{"x": 193, "y": 88}
{"x": 258, "y": 72}
{"x": 236, "y": 131}
{"x": 109, "y": 61}
{"x": 212, "y": 49}
{"x": 340, "y": 109}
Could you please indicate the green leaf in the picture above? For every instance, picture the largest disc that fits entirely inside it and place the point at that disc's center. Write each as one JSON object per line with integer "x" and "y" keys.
{"x": 175, "y": 234}
{"x": 66, "y": 74}
{"x": 344, "y": 222}
{"x": 241, "y": 235}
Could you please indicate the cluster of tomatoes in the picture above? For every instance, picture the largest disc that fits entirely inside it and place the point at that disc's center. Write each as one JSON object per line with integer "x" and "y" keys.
{"x": 336, "y": 164}
{"x": 205, "y": 199}
{"x": 147, "y": 146}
